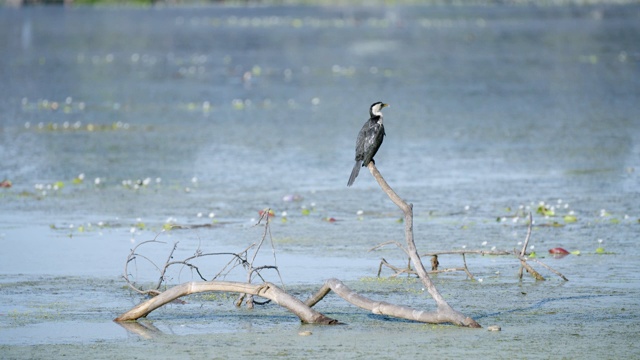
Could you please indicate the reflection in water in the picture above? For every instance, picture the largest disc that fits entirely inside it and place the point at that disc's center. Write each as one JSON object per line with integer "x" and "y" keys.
{"x": 144, "y": 329}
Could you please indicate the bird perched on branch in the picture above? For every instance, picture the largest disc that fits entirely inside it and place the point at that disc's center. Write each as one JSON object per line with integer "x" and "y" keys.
{"x": 369, "y": 140}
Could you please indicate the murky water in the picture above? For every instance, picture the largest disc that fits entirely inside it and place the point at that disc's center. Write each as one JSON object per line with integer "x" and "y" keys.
{"x": 115, "y": 122}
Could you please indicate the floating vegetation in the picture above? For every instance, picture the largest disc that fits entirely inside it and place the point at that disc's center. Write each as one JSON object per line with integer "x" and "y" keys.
{"x": 271, "y": 213}
{"x": 546, "y": 210}
{"x": 79, "y": 126}
{"x": 325, "y": 22}
{"x": 543, "y": 210}
{"x": 67, "y": 106}
{"x": 81, "y": 228}
{"x": 79, "y": 179}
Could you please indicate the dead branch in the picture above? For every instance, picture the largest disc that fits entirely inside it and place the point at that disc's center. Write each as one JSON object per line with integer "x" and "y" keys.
{"x": 381, "y": 307}
{"x": 550, "y": 268}
{"x": 166, "y": 266}
{"x": 251, "y": 270}
{"x": 530, "y": 270}
{"x": 399, "y": 271}
{"x": 388, "y": 243}
{"x": 524, "y": 249}
{"x": 466, "y": 269}
{"x": 265, "y": 290}
{"x": 134, "y": 255}
{"x": 519, "y": 255}
{"x": 239, "y": 259}
{"x": 444, "y": 309}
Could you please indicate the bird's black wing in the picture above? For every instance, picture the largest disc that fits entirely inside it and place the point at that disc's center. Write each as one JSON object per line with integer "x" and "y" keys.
{"x": 370, "y": 136}
{"x": 373, "y": 137}
{"x": 360, "y": 141}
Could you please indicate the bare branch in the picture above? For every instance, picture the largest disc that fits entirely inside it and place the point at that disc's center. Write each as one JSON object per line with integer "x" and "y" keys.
{"x": 381, "y": 307}
{"x": 444, "y": 309}
{"x": 239, "y": 259}
{"x": 550, "y": 269}
{"x": 530, "y": 270}
{"x": 528, "y": 237}
{"x": 166, "y": 265}
{"x": 266, "y": 290}
{"x": 466, "y": 269}
{"x": 388, "y": 243}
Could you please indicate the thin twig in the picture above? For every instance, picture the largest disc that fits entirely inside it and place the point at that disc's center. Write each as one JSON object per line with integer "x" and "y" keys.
{"x": 524, "y": 246}
{"x": 466, "y": 269}
{"x": 239, "y": 259}
{"x": 392, "y": 242}
{"x": 166, "y": 265}
{"x": 550, "y": 269}
{"x": 250, "y": 269}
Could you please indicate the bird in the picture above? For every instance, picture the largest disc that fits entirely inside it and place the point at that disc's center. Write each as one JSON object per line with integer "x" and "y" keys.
{"x": 369, "y": 140}
{"x": 434, "y": 263}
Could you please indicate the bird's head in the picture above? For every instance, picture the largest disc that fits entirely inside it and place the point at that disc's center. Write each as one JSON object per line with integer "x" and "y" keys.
{"x": 376, "y": 109}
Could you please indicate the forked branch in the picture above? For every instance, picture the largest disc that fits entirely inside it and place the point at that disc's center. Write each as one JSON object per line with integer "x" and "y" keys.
{"x": 379, "y": 307}
{"x": 444, "y": 309}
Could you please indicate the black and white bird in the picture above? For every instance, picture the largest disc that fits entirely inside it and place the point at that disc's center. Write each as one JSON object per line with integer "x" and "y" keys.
{"x": 369, "y": 140}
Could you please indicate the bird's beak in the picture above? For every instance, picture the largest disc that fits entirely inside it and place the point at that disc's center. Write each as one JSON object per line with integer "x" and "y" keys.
{"x": 385, "y": 105}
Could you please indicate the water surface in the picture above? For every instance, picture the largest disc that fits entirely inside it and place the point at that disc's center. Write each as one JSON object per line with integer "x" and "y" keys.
{"x": 198, "y": 116}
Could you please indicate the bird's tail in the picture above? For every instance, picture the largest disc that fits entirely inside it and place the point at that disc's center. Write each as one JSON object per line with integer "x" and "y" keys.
{"x": 354, "y": 172}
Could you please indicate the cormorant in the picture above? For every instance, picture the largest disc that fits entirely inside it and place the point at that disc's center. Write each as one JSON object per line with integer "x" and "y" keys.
{"x": 369, "y": 140}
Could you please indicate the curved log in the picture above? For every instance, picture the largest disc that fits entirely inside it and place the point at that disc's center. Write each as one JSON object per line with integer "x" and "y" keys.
{"x": 265, "y": 290}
